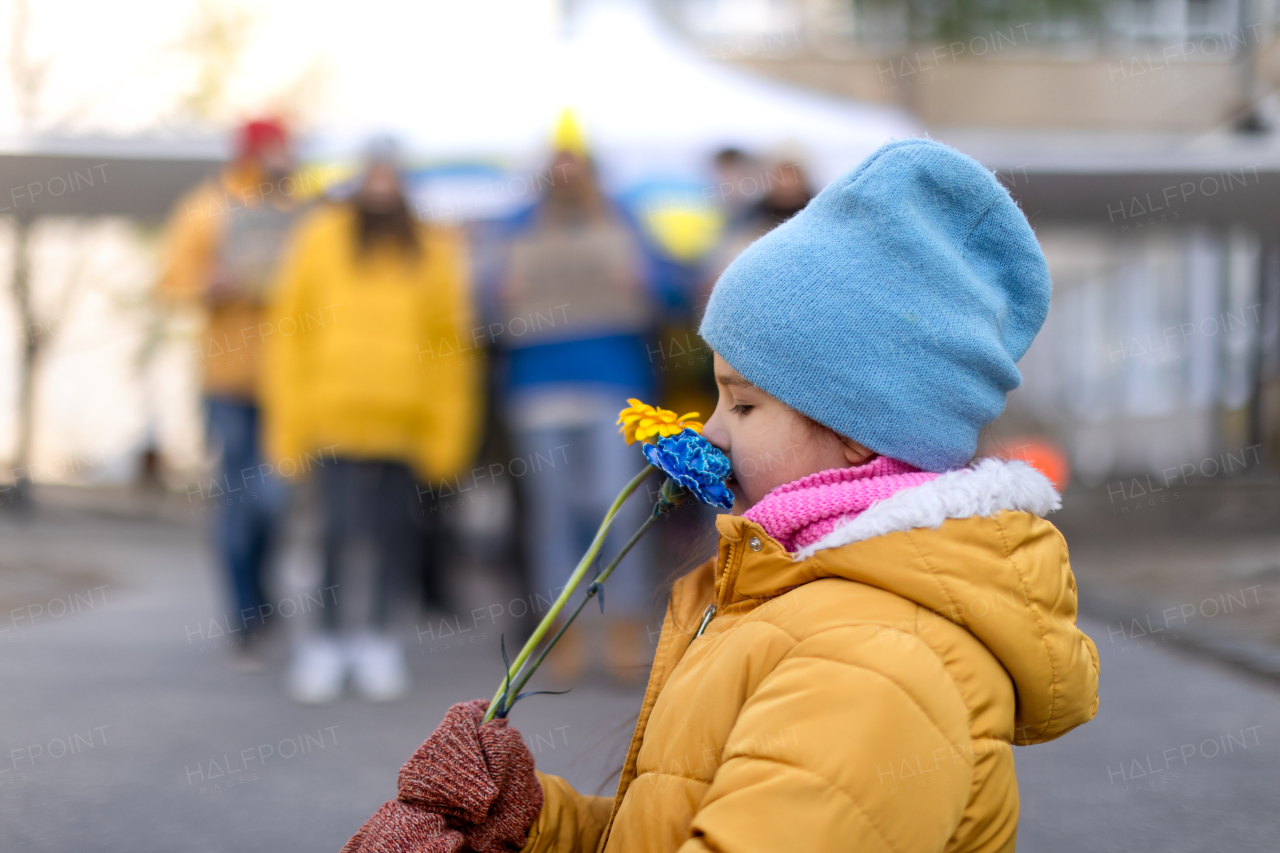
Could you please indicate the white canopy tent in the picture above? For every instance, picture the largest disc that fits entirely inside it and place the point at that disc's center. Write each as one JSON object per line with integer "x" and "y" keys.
{"x": 647, "y": 101}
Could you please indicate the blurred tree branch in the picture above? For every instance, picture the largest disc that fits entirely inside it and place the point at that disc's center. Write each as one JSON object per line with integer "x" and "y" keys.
{"x": 27, "y": 77}
{"x": 26, "y": 74}
{"x": 215, "y": 40}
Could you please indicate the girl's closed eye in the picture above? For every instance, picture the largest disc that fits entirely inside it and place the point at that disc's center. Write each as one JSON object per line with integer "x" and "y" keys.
{"x": 741, "y": 409}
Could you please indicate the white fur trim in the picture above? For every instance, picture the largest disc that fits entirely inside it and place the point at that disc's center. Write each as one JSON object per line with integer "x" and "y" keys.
{"x": 990, "y": 486}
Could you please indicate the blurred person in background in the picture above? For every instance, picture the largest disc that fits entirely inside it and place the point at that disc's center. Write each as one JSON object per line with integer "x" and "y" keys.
{"x": 738, "y": 183}
{"x": 576, "y": 311}
{"x": 759, "y": 200}
{"x": 369, "y": 397}
{"x": 786, "y": 192}
{"x": 224, "y": 240}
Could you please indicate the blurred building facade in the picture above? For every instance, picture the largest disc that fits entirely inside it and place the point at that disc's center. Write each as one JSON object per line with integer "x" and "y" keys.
{"x": 1140, "y": 138}
{"x": 1135, "y": 65}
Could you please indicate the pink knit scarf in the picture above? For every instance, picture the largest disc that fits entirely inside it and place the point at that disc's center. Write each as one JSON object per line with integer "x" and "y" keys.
{"x": 802, "y": 512}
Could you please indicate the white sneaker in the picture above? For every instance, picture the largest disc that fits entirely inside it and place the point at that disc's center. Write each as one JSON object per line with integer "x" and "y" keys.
{"x": 378, "y": 667}
{"x": 317, "y": 672}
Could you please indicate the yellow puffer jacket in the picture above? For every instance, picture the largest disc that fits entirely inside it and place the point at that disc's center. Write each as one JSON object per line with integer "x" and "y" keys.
{"x": 371, "y": 358}
{"x": 862, "y": 695}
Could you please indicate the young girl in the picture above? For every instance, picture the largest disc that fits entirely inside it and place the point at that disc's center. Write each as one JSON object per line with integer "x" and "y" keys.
{"x": 884, "y": 618}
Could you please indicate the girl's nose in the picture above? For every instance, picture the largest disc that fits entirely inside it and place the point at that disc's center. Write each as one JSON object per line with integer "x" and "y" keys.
{"x": 713, "y": 433}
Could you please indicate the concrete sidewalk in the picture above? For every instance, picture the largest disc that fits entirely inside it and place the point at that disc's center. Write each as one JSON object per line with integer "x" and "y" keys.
{"x": 1195, "y": 566}
{"x": 123, "y": 727}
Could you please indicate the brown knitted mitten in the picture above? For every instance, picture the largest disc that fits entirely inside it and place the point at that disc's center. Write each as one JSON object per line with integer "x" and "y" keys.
{"x": 397, "y": 827}
{"x": 468, "y": 787}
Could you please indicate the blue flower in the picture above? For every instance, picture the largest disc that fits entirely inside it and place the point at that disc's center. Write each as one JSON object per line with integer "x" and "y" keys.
{"x": 695, "y": 464}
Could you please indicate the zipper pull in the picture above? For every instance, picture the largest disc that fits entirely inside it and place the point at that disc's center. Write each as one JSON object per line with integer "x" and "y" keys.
{"x": 706, "y": 619}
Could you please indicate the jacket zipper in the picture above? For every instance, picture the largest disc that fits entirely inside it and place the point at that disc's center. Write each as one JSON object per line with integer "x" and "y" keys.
{"x": 706, "y": 619}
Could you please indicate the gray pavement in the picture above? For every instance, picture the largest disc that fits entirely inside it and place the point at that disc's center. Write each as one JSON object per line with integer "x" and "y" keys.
{"x": 123, "y": 728}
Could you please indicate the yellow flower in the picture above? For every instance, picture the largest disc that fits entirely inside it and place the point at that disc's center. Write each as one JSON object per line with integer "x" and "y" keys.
{"x": 642, "y": 422}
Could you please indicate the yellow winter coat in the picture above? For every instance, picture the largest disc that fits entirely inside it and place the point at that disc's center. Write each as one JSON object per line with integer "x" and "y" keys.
{"x": 373, "y": 357}
{"x": 864, "y": 697}
{"x": 228, "y": 348}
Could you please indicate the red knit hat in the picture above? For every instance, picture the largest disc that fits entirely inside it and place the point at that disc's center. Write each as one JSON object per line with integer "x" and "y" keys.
{"x": 257, "y": 135}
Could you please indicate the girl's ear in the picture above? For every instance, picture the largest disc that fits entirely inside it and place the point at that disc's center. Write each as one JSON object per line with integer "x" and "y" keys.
{"x": 854, "y": 453}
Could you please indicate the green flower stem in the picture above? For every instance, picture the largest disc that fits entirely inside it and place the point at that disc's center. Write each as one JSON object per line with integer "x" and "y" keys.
{"x": 500, "y": 697}
{"x": 591, "y": 593}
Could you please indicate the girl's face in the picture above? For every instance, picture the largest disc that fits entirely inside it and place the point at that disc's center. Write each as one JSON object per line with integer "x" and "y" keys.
{"x": 769, "y": 443}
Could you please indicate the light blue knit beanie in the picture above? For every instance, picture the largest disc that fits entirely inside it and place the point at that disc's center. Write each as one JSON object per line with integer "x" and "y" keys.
{"x": 893, "y": 307}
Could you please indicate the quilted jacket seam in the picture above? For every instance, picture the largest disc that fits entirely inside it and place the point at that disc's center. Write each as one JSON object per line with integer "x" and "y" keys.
{"x": 671, "y": 775}
{"x": 830, "y": 784}
{"x": 1044, "y": 640}
{"x": 912, "y": 699}
{"x": 942, "y": 588}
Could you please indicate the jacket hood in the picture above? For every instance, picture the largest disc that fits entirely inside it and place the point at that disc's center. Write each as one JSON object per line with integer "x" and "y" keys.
{"x": 971, "y": 547}
{"x": 990, "y": 486}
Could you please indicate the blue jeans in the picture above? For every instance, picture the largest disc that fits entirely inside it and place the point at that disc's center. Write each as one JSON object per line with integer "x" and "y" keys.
{"x": 247, "y": 515}
{"x": 573, "y": 475}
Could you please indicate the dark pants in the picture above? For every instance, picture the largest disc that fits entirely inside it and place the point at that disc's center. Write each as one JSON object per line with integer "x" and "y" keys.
{"x": 247, "y": 512}
{"x": 375, "y": 504}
